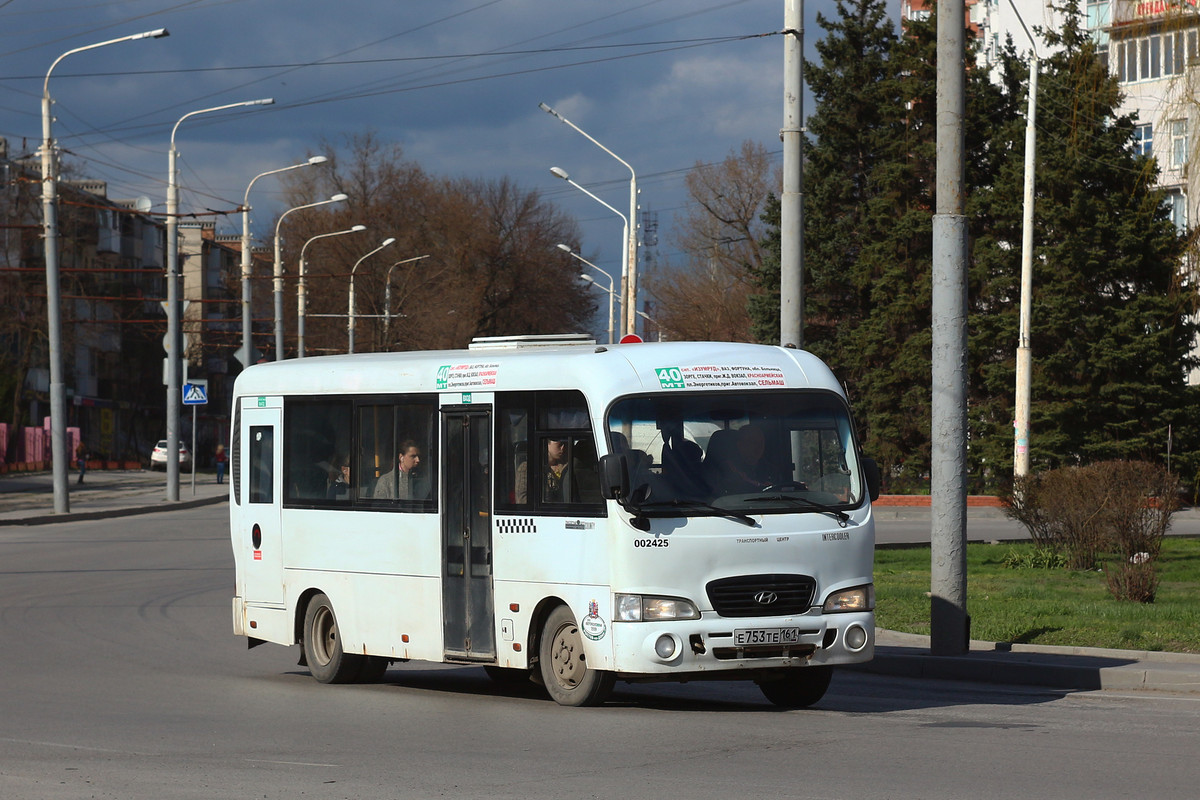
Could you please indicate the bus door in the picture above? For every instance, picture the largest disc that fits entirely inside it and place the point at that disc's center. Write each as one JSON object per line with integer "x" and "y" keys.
{"x": 261, "y": 468}
{"x": 469, "y": 630}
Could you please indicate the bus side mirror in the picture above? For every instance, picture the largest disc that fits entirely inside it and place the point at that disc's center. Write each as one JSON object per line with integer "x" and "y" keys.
{"x": 614, "y": 477}
{"x": 871, "y": 473}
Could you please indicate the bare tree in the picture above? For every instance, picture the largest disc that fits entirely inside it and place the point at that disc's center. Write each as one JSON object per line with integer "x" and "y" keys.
{"x": 491, "y": 266}
{"x": 705, "y": 297}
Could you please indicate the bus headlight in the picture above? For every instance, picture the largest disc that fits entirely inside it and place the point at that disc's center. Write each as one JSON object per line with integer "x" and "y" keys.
{"x": 860, "y": 598}
{"x": 648, "y": 608}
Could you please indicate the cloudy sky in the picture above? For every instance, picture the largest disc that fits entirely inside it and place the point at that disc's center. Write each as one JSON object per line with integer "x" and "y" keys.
{"x": 457, "y": 83}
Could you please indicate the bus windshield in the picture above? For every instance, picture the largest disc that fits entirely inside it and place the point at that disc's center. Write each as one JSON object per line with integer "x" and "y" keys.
{"x": 742, "y": 452}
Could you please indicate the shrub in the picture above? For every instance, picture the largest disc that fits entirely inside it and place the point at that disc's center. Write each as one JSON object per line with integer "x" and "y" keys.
{"x": 1079, "y": 512}
{"x": 1135, "y": 582}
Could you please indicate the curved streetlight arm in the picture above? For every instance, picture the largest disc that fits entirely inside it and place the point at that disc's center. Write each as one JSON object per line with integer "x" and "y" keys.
{"x": 266, "y": 101}
{"x": 586, "y": 135}
{"x": 558, "y": 172}
{"x": 157, "y": 33}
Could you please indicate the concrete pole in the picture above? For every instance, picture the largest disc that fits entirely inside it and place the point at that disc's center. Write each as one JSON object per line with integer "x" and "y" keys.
{"x": 174, "y": 339}
{"x": 949, "y": 623}
{"x": 58, "y": 392}
{"x": 247, "y": 317}
{"x": 1024, "y": 377}
{"x": 791, "y": 203}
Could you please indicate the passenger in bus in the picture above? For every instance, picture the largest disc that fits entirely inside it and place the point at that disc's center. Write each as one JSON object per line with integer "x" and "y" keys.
{"x": 339, "y": 478}
{"x": 734, "y": 463}
{"x": 407, "y": 481}
{"x": 554, "y": 477}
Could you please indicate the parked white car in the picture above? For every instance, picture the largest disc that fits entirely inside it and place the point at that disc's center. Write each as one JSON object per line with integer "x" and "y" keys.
{"x": 158, "y": 458}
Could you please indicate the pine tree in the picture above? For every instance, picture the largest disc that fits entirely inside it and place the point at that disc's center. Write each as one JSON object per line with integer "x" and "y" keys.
{"x": 1111, "y": 334}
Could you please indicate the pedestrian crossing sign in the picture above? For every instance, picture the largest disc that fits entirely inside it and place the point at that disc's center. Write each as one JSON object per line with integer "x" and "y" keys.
{"x": 195, "y": 394}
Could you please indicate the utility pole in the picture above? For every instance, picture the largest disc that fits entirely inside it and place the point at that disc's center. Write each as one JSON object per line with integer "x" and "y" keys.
{"x": 949, "y": 623}
{"x": 791, "y": 204}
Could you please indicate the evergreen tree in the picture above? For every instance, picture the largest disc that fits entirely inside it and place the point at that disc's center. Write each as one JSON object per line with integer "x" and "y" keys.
{"x": 868, "y": 222}
{"x": 1112, "y": 333}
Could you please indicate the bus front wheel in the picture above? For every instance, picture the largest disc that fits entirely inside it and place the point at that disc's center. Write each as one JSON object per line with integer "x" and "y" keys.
{"x": 323, "y": 645}
{"x": 798, "y": 690}
{"x": 563, "y": 664}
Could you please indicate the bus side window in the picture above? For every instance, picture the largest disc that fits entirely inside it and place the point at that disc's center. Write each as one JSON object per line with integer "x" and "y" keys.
{"x": 262, "y": 462}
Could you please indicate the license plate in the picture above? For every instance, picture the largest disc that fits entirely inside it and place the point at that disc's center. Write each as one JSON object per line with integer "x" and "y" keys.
{"x": 751, "y": 636}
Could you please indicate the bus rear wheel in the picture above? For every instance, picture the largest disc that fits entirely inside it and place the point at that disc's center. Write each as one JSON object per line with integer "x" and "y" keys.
{"x": 800, "y": 689}
{"x": 563, "y": 664}
{"x": 323, "y": 652}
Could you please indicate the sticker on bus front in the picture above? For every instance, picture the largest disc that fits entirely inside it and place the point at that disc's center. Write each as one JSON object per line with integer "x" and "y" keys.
{"x": 713, "y": 376}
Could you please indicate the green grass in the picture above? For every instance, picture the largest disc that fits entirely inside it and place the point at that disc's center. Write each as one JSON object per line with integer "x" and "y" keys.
{"x": 1048, "y": 606}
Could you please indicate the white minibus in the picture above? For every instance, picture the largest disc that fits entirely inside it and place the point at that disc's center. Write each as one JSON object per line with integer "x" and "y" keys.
{"x": 558, "y": 511}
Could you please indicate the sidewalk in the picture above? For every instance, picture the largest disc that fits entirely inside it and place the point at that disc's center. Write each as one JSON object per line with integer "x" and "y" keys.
{"x": 28, "y": 499}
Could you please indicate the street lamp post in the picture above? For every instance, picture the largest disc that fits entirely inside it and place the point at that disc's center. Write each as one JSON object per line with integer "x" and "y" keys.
{"x": 629, "y": 271}
{"x": 58, "y": 393}
{"x": 1024, "y": 376}
{"x": 174, "y": 339}
{"x": 301, "y": 297}
{"x": 612, "y": 293}
{"x": 350, "y": 321}
{"x": 387, "y": 292}
{"x": 247, "y": 317}
{"x": 559, "y": 172}
{"x": 278, "y": 271}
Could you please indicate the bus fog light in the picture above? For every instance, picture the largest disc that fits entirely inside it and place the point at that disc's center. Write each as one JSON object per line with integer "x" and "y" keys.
{"x": 665, "y": 647}
{"x": 855, "y": 638}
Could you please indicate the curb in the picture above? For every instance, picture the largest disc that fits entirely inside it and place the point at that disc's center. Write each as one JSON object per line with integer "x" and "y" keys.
{"x": 1065, "y": 668}
{"x": 130, "y": 511}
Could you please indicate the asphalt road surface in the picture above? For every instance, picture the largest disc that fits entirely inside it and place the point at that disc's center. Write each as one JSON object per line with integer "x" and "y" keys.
{"x": 122, "y": 679}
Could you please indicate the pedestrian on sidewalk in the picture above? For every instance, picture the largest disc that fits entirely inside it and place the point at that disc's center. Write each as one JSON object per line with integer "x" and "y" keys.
{"x": 81, "y": 460}
{"x": 221, "y": 459}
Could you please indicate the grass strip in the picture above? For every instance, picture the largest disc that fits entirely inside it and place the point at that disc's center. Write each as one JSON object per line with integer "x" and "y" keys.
{"x": 1046, "y": 605}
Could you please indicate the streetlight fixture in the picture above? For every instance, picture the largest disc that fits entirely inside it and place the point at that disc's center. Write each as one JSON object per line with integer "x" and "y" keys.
{"x": 174, "y": 339}
{"x": 58, "y": 393}
{"x": 611, "y": 286}
{"x": 247, "y": 318}
{"x": 301, "y": 298}
{"x": 629, "y": 270}
{"x": 337, "y": 198}
{"x": 350, "y": 321}
{"x": 387, "y": 292}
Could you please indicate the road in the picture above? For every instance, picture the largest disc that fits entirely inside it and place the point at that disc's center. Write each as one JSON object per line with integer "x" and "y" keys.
{"x": 122, "y": 680}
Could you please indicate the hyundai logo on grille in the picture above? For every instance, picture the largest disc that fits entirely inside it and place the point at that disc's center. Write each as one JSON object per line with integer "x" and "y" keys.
{"x": 765, "y": 598}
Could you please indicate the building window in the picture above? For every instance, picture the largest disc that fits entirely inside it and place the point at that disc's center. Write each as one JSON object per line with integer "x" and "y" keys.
{"x": 1176, "y": 203}
{"x": 1179, "y": 143}
{"x": 1143, "y": 140}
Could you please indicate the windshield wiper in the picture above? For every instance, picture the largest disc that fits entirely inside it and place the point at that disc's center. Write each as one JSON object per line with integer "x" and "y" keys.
{"x": 745, "y": 519}
{"x": 842, "y": 517}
